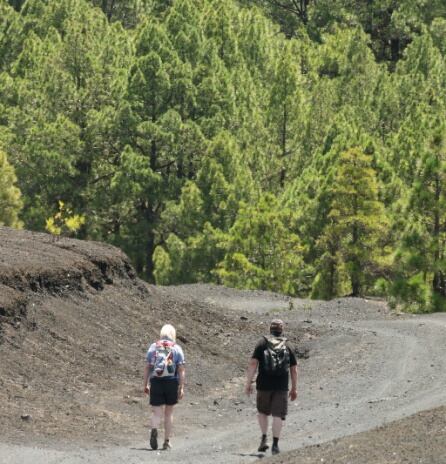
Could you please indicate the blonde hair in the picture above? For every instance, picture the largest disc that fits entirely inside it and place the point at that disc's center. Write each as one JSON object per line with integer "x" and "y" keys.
{"x": 168, "y": 331}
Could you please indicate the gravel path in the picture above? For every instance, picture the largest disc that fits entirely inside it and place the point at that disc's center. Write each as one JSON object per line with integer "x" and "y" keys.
{"x": 368, "y": 368}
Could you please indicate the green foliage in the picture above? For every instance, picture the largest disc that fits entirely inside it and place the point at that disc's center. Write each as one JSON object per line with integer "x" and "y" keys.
{"x": 64, "y": 222}
{"x": 391, "y": 24}
{"x": 207, "y": 208}
{"x": 210, "y": 146}
{"x": 10, "y": 201}
{"x": 356, "y": 225}
{"x": 128, "y": 12}
{"x": 261, "y": 252}
{"x": 421, "y": 258}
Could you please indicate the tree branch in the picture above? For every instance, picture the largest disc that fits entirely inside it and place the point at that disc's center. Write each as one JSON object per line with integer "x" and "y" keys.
{"x": 283, "y": 6}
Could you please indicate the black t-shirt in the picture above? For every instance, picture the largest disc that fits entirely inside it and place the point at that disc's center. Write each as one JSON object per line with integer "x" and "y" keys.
{"x": 270, "y": 382}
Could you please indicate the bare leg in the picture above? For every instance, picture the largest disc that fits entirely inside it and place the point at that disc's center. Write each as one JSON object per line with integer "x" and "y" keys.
{"x": 168, "y": 422}
{"x": 263, "y": 422}
{"x": 157, "y": 414}
{"x": 277, "y": 426}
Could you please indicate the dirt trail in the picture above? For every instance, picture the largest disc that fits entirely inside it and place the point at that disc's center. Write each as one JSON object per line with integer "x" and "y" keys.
{"x": 360, "y": 374}
{"x": 75, "y": 323}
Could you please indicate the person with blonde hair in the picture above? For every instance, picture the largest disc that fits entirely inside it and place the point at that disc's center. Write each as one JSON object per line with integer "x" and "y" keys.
{"x": 164, "y": 376}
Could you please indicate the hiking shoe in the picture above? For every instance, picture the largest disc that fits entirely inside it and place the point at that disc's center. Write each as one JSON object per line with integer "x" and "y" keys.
{"x": 154, "y": 439}
{"x": 275, "y": 449}
{"x": 263, "y": 445}
{"x": 166, "y": 445}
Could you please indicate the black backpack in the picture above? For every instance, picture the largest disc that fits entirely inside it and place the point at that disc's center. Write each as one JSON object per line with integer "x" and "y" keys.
{"x": 276, "y": 356}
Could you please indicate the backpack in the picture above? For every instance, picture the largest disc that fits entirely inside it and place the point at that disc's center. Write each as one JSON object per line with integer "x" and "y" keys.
{"x": 163, "y": 365}
{"x": 276, "y": 356}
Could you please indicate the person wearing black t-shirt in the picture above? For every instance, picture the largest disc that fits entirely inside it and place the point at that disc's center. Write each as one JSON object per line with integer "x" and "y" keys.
{"x": 272, "y": 385}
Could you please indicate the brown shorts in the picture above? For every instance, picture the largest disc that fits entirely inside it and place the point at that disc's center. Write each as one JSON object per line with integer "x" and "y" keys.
{"x": 273, "y": 403}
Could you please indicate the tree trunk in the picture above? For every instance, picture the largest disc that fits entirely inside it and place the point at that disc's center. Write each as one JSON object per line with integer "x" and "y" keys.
{"x": 153, "y": 156}
{"x": 151, "y": 217}
{"x": 304, "y": 10}
{"x": 332, "y": 274}
{"x": 395, "y": 49}
{"x": 107, "y": 8}
{"x": 438, "y": 283}
{"x": 356, "y": 282}
{"x": 180, "y": 170}
{"x": 356, "y": 271}
{"x": 17, "y": 4}
{"x": 150, "y": 248}
{"x": 283, "y": 144}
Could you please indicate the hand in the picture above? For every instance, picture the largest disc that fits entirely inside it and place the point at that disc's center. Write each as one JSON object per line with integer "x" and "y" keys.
{"x": 180, "y": 392}
{"x": 147, "y": 389}
{"x": 293, "y": 394}
{"x": 248, "y": 388}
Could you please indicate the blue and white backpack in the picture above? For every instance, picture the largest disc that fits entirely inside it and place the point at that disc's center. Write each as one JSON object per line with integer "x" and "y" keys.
{"x": 164, "y": 365}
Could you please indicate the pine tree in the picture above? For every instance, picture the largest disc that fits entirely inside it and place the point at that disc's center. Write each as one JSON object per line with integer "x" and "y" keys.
{"x": 10, "y": 201}
{"x": 356, "y": 224}
{"x": 128, "y": 12}
{"x": 192, "y": 228}
{"x": 286, "y": 113}
{"x": 421, "y": 258}
{"x": 261, "y": 251}
{"x": 68, "y": 70}
{"x": 171, "y": 125}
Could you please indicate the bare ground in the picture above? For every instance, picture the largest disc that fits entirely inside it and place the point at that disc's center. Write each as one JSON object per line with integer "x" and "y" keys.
{"x": 420, "y": 438}
{"x": 75, "y": 323}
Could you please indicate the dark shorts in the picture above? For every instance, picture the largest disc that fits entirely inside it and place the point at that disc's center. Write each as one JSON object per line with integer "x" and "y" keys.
{"x": 163, "y": 392}
{"x": 273, "y": 403}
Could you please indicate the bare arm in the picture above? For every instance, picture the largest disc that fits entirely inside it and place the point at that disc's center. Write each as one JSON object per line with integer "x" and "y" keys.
{"x": 182, "y": 378}
{"x": 252, "y": 368}
{"x": 293, "y": 391}
{"x": 146, "y": 387}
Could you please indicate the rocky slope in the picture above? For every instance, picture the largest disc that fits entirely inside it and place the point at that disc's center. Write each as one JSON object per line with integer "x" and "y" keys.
{"x": 75, "y": 322}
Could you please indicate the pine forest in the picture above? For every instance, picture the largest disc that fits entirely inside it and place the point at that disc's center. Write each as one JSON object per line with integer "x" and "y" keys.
{"x": 296, "y": 146}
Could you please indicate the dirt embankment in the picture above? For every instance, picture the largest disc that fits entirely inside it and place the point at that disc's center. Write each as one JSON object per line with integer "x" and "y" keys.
{"x": 33, "y": 264}
{"x": 75, "y": 322}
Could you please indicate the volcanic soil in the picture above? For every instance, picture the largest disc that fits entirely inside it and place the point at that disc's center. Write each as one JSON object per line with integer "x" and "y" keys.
{"x": 75, "y": 323}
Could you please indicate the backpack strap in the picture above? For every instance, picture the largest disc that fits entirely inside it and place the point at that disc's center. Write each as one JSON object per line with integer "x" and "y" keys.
{"x": 271, "y": 340}
{"x": 165, "y": 343}
{"x": 270, "y": 337}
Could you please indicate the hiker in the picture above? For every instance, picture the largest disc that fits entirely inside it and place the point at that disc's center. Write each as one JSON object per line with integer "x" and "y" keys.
{"x": 166, "y": 372}
{"x": 275, "y": 358}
